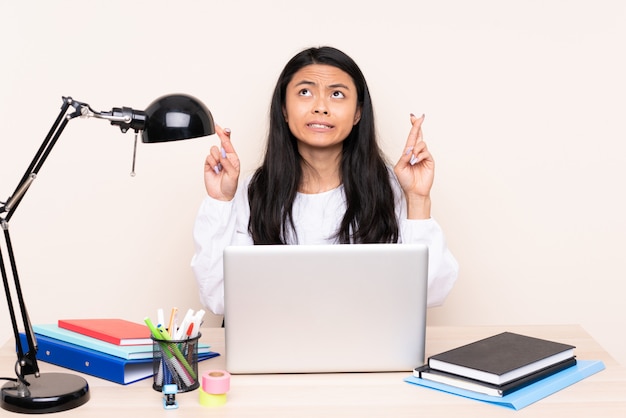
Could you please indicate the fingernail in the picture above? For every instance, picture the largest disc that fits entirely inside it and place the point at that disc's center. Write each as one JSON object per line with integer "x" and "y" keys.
{"x": 413, "y": 160}
{"x": 408, "y": 151}
{"x": 227, "y": 131}
{"x": 223, "y": 153}
{"x": 216, "y": 169}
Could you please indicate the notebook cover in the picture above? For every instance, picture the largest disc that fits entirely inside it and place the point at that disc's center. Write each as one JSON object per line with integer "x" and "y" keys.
{"x": 527, "y": 395}
{"x": 112, "y": 330}
{"x": 501, "y": 358}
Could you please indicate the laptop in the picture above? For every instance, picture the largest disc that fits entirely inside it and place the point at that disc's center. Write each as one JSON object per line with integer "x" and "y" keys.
{"x": 325, "y": 308}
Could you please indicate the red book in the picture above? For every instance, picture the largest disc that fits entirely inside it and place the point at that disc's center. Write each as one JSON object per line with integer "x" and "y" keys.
{"x": 112, "y": 330}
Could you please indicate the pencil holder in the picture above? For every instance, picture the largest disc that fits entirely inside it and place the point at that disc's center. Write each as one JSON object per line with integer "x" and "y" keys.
{"x": 175, "y": 362}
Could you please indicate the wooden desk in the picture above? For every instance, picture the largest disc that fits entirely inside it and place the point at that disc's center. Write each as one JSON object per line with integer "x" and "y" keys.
{"x": 358, "y": 394}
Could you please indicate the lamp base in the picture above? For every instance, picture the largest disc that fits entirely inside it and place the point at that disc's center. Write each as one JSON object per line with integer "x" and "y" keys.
{"x": 50, "y": 392}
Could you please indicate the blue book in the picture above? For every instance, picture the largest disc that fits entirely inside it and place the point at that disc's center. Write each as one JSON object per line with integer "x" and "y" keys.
{"x": 96, "y": 363}
{"x": 127, "y": 352}
{"x": 527, "y": 395}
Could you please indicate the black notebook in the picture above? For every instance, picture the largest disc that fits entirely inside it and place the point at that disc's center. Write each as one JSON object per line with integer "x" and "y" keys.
{"x": 461, "y": 382}
{"x": 501, "y": 358}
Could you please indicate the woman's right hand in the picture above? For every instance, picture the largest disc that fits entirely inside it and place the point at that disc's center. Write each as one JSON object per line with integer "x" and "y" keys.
{"x": 221, "y": 168}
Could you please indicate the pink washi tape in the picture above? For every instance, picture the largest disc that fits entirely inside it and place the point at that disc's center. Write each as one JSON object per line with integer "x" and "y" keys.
{"x": 216, "y": 382}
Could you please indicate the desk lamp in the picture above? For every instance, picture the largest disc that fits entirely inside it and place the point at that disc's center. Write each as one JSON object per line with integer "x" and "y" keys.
{"x": 168, "y": 118}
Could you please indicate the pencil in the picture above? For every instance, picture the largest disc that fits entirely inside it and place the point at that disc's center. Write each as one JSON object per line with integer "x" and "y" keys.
{"x": 170, "y": 327}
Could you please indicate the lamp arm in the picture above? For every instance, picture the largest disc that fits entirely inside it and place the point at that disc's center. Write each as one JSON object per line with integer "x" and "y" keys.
{"x": 126, "y": 118}
{"x": 40, "y": 156}
{"x": 26, "y": 359}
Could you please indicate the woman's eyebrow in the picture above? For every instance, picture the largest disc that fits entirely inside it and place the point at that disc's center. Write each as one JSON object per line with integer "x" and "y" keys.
{"x": 312, "y": 83}
{"x": 305, "y": 83}
{"x": 339, "y": 86}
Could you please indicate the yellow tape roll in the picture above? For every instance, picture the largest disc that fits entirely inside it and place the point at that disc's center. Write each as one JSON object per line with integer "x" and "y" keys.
{"x": 208, "y": 399}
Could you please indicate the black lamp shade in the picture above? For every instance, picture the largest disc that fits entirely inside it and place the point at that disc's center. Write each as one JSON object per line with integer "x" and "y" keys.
{"x": 177, "y": 116}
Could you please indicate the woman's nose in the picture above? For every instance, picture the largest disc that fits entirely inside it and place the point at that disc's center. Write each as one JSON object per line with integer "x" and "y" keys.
{"x": 319, "y": 107}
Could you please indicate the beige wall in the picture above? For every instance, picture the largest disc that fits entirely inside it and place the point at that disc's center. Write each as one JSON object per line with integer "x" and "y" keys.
{"x": 525, "y": 116}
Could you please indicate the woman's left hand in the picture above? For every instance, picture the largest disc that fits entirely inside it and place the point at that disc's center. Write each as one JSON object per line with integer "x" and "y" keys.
{"x": 416, "y": 171}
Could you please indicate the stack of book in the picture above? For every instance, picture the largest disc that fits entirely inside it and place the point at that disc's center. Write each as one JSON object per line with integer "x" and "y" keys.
{"x": 503, "y": 366}
{"x": 113, "y": 349}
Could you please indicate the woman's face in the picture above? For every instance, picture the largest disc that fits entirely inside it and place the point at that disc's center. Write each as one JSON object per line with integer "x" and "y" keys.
{"x": 321, "y": 106}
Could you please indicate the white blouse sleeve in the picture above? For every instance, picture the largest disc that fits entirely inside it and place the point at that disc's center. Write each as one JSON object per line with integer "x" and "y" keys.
{"x": 443, "y": 268}
{"x": 218, "y": 225}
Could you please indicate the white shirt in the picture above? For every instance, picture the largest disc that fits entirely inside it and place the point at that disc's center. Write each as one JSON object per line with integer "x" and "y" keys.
{"x": 316, "y": 218}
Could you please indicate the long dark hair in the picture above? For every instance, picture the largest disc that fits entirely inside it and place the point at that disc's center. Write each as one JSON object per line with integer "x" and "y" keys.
{"x": 370, "y": 216}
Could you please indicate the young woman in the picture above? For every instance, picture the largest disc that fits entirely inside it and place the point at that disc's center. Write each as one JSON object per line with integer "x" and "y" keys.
{"x": 323, "y": 180}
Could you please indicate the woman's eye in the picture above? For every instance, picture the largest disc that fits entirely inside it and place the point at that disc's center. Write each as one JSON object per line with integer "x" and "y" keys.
{"x": 305, "y": 92}
{"x": 338, "y": 94}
